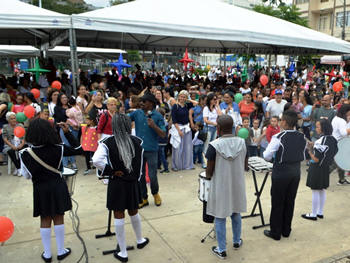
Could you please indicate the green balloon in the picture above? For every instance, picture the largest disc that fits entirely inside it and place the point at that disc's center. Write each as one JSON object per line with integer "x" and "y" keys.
{"x": 346, "y": 84}
{"x": 20, "y": 117}
{"x": 243, "y": 133}
{"x": 238, "y": 97}
{"x": 9, "y": 106}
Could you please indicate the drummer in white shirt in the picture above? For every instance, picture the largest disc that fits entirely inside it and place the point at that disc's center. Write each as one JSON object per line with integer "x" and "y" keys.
{"x": 341, "y": 130}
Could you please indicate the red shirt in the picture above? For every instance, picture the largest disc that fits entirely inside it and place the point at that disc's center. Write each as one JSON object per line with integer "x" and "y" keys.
{"x": 104, "y": 127}
{"x": 271, "y": 131}
{"x": 245, "y": 109}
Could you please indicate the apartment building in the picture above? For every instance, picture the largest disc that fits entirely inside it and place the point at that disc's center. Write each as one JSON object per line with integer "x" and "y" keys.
{"x": 326, "y": 15}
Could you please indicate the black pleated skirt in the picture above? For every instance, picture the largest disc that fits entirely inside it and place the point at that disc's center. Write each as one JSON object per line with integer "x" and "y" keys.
{"x": 51, "y": 198}
{"x": 122, "y": 195}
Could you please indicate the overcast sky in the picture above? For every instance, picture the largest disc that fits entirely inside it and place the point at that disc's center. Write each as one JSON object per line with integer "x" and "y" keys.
{"x": 104, "y": 3}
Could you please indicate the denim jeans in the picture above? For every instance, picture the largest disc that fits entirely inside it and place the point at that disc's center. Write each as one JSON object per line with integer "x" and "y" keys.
{"x": 68, "y": 159}
{"x": 211, "y": 136}
{"x": 220, "y": 229}
{"x": 152, "y": 161}
{"x": 198, "y": 153}
{"x": 162, "y": 157}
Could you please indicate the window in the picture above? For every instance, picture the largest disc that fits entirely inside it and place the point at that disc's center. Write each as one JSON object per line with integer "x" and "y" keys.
{"x": 298, "y": 2}
{"x": 339, "y": 19}
{"x": 322, "y": 24}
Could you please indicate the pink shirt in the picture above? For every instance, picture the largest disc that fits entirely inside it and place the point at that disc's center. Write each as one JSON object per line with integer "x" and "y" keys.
{"x": 75, "y": 116}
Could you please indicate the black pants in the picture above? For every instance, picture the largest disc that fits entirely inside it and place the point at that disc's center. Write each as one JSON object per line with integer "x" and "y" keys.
{"x": 14, "y": 158}
{"x": 283, "y": 192}
{"x": 88, "y": 156}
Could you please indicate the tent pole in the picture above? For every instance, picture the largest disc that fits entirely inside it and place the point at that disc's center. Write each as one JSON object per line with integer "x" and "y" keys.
{"x": 73, "y": 58}
{"x": 225, "y": 62}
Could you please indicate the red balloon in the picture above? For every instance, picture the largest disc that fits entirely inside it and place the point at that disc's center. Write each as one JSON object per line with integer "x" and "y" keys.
{"x": 264, "y": 80}
{"x": 6, "y": 228}
{"x": 56, "y": 85}
{"x": 344, "y": 73}
{"x": 36, "y": 93}
{"x": 338, "y": 86}
{"x": 19, "y": 131}
{"x": 29, "y": 111}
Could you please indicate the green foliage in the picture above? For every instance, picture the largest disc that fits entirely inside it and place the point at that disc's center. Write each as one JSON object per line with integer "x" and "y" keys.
{"x": 133, "y": 56}
{"x": 118, "y": 2}
{"x": 275, "y": 2}
{"x": 286, "y": 12}
{"x": 68, "y": 8}
{"x": 201, "y": 72}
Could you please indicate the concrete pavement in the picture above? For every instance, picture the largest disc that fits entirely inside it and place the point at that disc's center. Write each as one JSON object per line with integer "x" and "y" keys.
{"x": 176, "y": 228}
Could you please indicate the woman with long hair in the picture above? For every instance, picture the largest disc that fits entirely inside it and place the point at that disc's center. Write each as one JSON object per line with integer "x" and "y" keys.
{"x": 50, "y": 191}
{"x": 119, "y": 156}
{"x": 210, "y": 113}
{"x": 52, "y": 97}
{"x": 96, "y": 106}
{"x": 322, "y": 154}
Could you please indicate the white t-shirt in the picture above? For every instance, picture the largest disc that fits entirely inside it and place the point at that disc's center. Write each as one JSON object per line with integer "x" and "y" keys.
{"x": 339, "y": 128}
{"x": 82, "y": 101}
{"x": 211, "y": 115}
{"x": 274, "y": 108}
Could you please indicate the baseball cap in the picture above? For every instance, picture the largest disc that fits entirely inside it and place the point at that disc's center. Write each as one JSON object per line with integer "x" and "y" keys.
{"x": 278, "y": 92}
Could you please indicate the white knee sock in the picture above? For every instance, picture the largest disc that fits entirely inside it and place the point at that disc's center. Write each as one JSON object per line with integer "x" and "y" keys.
{"x": 315, "y": 202}
{"x": 136, "y": 225}
{"x": 322, "y": 197}
{"x": 46, "y": 239}
{"x": 120, "y": 234}
{"x": 59, "y": 233}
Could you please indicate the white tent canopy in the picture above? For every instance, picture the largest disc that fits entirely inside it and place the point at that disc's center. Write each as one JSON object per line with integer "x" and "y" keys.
{"x": 25, "y": 24}
{"x": 202, "y": 26}
{"x": 59, "y": 51}
{"x": 331, "y": 60}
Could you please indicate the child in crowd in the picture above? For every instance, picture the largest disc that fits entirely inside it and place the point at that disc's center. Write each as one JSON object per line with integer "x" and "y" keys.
{"x": 262, "y": 139}
{"x": 19, "y": 106}
{"x": 272, "y": 129}
{"x": 89, "y": 141}
{"x": 162, "y": 143}
{"x": 297, "y": 106}
{"x": 256, "y": 133}
{"x": 198, "y": 142}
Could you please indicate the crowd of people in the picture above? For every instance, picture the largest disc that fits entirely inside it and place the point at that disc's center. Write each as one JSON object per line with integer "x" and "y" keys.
{"x": 176, "y": 115}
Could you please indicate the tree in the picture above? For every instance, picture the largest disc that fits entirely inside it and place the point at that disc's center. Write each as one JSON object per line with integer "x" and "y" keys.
{"x": 275, "y": 2}
{"x": 66, "y": 7}
{"x": 118, "y": 2}
{"x": 286, "y": 12}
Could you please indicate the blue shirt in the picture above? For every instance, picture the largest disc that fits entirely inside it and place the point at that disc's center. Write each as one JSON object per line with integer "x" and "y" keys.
{"x": 223, "y": 106}
{"x": 147, "y": 134}
{"x": 306, "y": 114}
{"x": 198, "y": 114}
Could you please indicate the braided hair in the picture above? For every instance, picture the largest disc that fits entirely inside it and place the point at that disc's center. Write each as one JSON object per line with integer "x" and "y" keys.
{"x": 121, "y": 126}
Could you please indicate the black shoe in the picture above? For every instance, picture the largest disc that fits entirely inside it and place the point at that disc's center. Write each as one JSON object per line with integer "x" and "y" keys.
{"x": 164, "y": 171}
{"x": 285, "y": 235}
{"x": 320, "y": 216}
{"x": 269, "y": 234}
{"x": 46, "y": 259}
{"x": 216, "y": 252}
{"x": 309, "y": 217}
{"x": 238, "y": 245}
{"x": 121, "y": 259}
{"x": 142, "y": 245}
{"x": 63, "y": 256}
{"x": 3, "y": 163}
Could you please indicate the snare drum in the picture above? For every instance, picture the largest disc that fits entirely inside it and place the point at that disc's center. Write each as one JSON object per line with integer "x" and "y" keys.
{"x": 204, "y": 185}
{"x": 69, "y": 176}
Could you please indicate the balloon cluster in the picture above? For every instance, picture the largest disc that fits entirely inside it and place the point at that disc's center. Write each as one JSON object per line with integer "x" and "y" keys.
{"x": 337, "y": 86}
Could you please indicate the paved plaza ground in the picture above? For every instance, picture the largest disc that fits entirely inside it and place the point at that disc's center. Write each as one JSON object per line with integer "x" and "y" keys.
{"x": 176, "y": 228}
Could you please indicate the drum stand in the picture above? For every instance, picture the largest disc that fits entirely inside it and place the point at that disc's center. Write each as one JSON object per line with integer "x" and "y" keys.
{"x": 108, "y": 231}
{"x": 209, "y": 235}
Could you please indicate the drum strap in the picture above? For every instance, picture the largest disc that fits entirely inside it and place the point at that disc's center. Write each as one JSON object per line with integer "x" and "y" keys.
{"x": 36, "y": 158}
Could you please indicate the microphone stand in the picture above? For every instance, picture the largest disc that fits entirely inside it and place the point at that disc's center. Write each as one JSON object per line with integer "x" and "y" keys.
{"x": 108, "y": 231}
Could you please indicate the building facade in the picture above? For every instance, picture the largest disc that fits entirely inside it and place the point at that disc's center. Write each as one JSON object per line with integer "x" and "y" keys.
{"x": 326, "y": 16}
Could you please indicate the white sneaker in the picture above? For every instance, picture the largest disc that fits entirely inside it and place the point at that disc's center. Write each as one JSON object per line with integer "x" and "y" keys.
{"x": 15, "y": 172}
{"x": 19, "y": 173}
{"x": 105, "y": 181}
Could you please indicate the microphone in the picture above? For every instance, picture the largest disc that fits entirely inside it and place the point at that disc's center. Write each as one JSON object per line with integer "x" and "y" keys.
{"x": 149, "y": 114}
